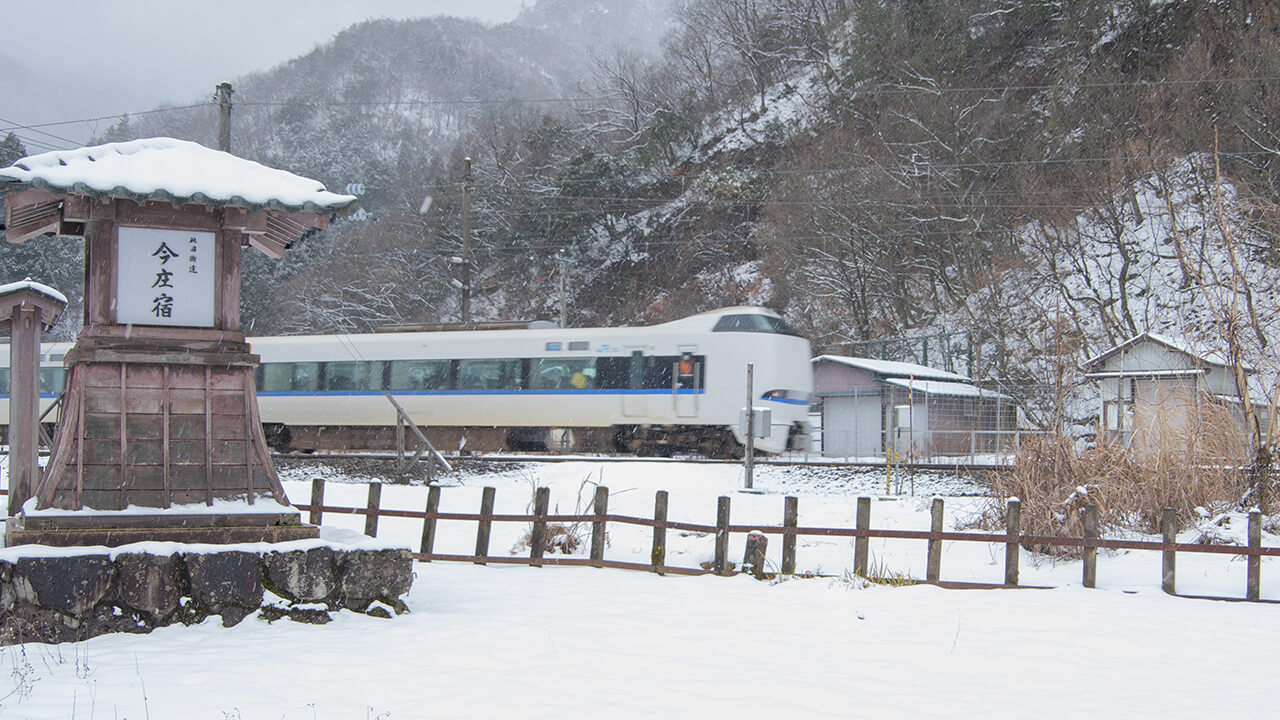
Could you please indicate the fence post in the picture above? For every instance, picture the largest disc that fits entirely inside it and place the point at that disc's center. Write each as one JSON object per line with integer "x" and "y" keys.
{"x": 659, "y": 554}
{"x": 754, "y": 555}
{"x": 371, "y": 518}
{"x": 790, "y": 519}
{"x": 722, "y": 536}
{"x": 1168, "y": 526}
{"x": 862, "y": 543}
{"x": 484, "y": 525}
{"x": 317, "y": 501}
{"x": 1253, "y": 588}
{"x": 933, "y": 566}
{"x": 601, "y": 506}
{"x": 1012, "y": 525}
{"x": 538, "y": 535}
{"x": 429, "y": 523}
{"x": 1090, "y": 553}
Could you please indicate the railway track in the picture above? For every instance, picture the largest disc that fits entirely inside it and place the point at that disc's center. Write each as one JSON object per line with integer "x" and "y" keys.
{"x": 319, "y": 456}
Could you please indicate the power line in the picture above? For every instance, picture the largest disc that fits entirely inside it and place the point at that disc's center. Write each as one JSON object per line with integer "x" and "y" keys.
{"x": 72, "y": 143}
{"x": 884, "y": 88}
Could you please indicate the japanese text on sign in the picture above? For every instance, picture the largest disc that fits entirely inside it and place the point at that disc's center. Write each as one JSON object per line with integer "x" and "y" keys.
{"x": 165, "y": 277}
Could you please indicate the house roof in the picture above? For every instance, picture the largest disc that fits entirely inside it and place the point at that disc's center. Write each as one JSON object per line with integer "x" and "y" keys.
{"x": 893, "y": 369}
{"x": 950, "y": 389}
{"x": 168, "y": 170}
{"x": 1203, "y": 354}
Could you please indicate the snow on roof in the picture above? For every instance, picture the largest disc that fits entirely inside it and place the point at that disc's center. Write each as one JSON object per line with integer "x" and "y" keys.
{"x": 29, "y": 284}
{"x": 951, "y": 389}
{"x": 1196, "y": 351}
{"x": 892, "y": 368}
{"x": 172, "y": 170}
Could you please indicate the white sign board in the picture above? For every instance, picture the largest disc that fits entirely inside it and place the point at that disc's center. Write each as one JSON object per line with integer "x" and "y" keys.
{"x": 165, "y": 277}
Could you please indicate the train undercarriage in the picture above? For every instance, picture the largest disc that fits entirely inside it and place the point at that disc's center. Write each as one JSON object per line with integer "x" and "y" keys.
{"x": 641, "y": 440}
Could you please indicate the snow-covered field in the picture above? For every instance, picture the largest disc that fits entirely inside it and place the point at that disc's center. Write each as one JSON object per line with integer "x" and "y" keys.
{"x": 505, "y": 641}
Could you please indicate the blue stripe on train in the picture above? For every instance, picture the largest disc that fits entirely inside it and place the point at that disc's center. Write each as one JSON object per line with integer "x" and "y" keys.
{"x": 575, "y": 391}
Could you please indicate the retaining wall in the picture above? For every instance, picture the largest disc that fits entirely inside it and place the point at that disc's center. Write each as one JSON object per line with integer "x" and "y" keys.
{"x": 68, "y": 594}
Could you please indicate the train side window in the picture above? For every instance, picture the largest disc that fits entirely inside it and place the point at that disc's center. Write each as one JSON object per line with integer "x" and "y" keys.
{"x": 613, "y": 373}
{"x": 657, "y": 371}
{"x": 4, "y": 382}
{"x": 569, "y": 373}
{"x": 285, "y": 377}
{"x": 352, "y": 375}
{"x": 419, "y": 375}
{"x": 489, "y": 374}
{"x": 52, "y": 380}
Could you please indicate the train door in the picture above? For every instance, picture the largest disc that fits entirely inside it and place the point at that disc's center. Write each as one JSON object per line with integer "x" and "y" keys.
{"x": 686, "y": 382}
{"x": 634, "y": 402}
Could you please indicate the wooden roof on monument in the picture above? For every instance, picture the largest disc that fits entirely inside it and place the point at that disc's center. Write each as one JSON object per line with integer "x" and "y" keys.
{"x": 171, "y": 171}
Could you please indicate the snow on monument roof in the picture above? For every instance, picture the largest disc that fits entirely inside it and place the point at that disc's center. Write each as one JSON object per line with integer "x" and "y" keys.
{"x": 172, "y": 170}
{"x": 29, "y": 284}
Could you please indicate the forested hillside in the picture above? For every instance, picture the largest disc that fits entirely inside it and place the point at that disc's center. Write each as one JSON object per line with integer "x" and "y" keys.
{"x": 1008, "y": 185}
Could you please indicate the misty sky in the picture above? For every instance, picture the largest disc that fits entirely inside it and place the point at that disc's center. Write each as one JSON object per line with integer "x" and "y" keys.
{"x": 141, "y": 53}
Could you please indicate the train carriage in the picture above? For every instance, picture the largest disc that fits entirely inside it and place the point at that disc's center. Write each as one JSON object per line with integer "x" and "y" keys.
{"x": 654, "y": 390}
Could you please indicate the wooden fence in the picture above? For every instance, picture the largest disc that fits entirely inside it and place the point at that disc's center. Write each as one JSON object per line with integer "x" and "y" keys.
{"x": 862, "y": 532}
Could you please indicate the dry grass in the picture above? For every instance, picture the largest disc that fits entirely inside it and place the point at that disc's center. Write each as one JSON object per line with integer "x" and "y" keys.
{"x": 1191, "y": 469}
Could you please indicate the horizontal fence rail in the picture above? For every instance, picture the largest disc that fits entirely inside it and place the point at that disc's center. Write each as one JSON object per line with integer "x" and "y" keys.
{"x": 599, "y": 519}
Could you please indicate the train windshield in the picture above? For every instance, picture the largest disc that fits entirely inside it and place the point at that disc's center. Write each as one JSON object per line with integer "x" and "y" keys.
{"x": 754, "y": 323}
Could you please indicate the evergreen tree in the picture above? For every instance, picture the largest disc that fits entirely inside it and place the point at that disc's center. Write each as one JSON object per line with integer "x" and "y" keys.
{"x": 11, "y": 150}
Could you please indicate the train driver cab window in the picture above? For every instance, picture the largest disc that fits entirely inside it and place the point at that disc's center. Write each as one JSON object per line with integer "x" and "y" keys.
{"x": 419, "y": 375}
{"x": 754, "y": 322}
{"x": 562, "y": 374}
{"x": 291, "y": 377}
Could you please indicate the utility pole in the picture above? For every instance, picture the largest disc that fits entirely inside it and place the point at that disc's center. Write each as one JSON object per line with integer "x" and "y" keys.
{"x": 466, "y": 243}
{"x": 748, "y": 456}
{"x": 564, "y": 305}
{"x": 222, "y": 94}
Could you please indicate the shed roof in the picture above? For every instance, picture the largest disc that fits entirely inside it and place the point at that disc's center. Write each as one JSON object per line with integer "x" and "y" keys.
{"x": 169, "y": 170}
{"x": 892, "y": 368}
{"x": 950, "y": 389}
{"x": 1201, "y": 353}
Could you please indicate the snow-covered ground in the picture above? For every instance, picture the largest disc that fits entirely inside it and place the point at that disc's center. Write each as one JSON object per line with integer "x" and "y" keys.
{"x": 504, "y": 641}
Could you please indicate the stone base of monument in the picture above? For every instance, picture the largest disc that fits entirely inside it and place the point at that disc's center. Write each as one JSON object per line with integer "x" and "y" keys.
{"x": 54, "y": 595}
{"x": 112, "y": 529}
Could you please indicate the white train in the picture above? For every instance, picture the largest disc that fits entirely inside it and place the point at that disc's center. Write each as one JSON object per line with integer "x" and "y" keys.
{"x": 655, "y": 390}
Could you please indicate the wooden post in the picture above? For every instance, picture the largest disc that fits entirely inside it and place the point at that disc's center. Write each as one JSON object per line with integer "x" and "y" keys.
{"x": 371, "y": 518}
{"x": 862, "y": 544}
{"x": 538, "y": 534}
{"x": 754, "y": 555}
{"x": 26, "y": 312}
{"x": 722, "y": 536}
{"x": 1168, "y": 526}
{"x": 429, "y": 523}
{"x": 659, "y": 554}
{"x": 1012, "y": 528}
{"x": 484, "y": 525}
{"x": 748, "y": 455}
{"x": 790, "y": 519}
{"x": 317, "y": 501}
{"x": 1253, "y": 587}
{"x": 1090, "y": 578}
{"x": 600, "y": 504}
{"x": 933, "y": 565}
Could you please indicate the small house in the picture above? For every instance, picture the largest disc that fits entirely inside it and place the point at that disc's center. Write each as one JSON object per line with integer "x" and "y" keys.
{"x": 881, "y": 408}
{"x": 1152, "y": 384}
